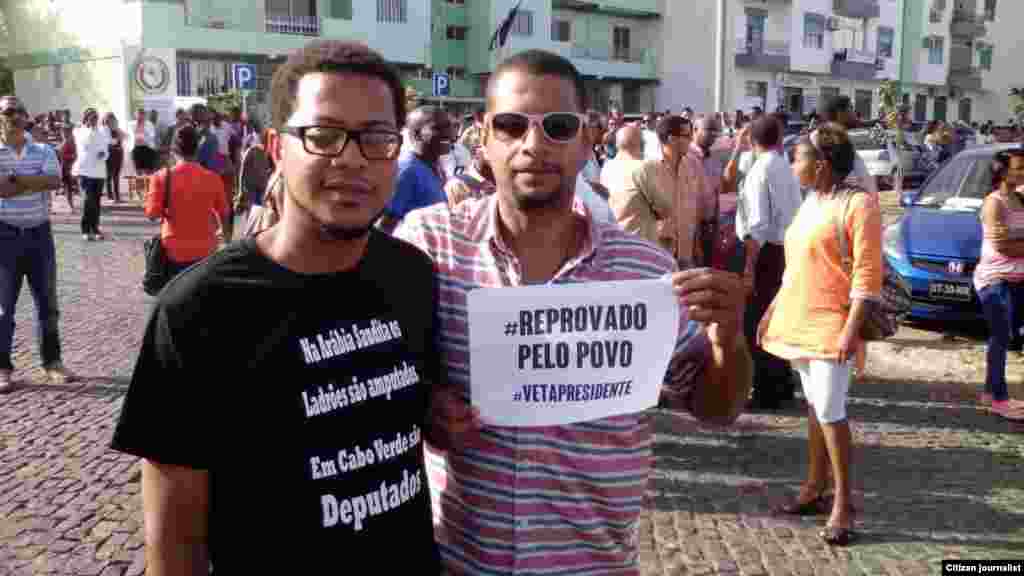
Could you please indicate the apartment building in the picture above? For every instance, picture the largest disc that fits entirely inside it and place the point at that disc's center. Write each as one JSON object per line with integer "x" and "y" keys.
{"x": 954, "y": 62}
{"x": 161, "y": 54}
{"x": 997, "y": 59}
{"x": 790, "y": 54}
{"x": 612, "y": 42}
{"x": 784, "y": 54}
{"x": 120, "y": 54}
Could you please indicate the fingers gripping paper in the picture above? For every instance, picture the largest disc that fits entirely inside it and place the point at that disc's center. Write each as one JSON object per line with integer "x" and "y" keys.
{"x": 558, "y": 354}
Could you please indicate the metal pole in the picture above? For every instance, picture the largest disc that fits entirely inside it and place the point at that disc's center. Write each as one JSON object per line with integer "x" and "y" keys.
{"x": 901, "y": 44}
{"x": 720, "y": 58}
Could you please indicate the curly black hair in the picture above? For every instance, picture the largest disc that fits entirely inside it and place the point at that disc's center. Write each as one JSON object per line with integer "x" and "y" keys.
{"x": 1001, "y": 164}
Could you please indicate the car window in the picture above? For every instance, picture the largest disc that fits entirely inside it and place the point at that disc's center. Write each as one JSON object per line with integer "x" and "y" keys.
{"x": 979, "y": 180}
{"x": 961, "y": 184}
{"x": 864, "y": 141}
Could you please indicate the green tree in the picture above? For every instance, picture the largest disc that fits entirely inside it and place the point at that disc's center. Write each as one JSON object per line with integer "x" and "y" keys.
{"x": 889, "y": 101}
{"x": 224, "y": 102}
{"x": 6, "y": 79}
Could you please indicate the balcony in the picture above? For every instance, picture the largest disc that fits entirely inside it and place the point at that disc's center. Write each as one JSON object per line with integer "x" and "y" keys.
{"x": 966, "y": 78}
{"x": 767, "y": 55}
{"x": 628, "y": 8}
{"x": 967, "y": 24}
{"x": 294, "y": 25}
{"x": 860, "y": 9}
{"x": 211, "y": 22}
{"x": 855, "y": 64}
{"x": 610, "y": 62}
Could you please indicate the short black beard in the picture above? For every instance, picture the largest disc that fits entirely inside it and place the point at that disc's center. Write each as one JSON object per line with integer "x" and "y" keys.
{"x": 332, "y": 233}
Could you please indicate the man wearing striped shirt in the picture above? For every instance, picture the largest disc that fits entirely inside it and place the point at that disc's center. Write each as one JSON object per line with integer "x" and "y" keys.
{"x": 28, "y": 171}
{"x": 556, "y": 499}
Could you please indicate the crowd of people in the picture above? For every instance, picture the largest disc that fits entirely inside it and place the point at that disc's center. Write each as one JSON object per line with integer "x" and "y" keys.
{"x": 359, "y": 214}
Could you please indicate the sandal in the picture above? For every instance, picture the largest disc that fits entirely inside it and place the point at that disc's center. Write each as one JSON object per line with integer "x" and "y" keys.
{"x": 836, "y": 536}
{"x": 819, "y": 505}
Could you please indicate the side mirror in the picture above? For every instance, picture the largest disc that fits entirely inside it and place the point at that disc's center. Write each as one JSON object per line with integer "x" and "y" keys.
{"x": 907, "y": 198}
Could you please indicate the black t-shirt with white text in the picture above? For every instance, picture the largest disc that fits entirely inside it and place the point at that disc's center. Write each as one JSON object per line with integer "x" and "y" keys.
{"x": 305, "y": 397}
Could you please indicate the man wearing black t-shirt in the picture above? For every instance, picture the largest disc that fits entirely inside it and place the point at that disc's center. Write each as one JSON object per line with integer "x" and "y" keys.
{"x": 280, "y": 397}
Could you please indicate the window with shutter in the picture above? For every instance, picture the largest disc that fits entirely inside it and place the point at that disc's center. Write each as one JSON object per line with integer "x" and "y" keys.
{"x": 394, "y": 11}
{"x": 523, "y": 24}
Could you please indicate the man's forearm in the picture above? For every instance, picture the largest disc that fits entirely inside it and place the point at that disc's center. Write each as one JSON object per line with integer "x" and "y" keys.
{"x": 32, "y": 184}
{"x": 752, "y": 248}
{"x": 723, "y": 388}
{"x": 177, "y": 560}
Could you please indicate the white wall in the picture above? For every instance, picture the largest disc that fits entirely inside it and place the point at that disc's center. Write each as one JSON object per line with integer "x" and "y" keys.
{"x": 686, "y": 56}
{"x": 887, "y": 17}
{"x": 808, "y": 59}
{"x": 96, "y": 83}
{"x": 933, "y": 74}
{"x": 1007, "y": 54}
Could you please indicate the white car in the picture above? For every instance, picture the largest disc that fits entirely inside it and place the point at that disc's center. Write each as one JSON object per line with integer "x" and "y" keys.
{"x": 879, "y": 158}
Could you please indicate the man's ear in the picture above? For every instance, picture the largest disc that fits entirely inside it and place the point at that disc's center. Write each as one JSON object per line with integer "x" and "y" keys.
{"x": 274, "y": 143}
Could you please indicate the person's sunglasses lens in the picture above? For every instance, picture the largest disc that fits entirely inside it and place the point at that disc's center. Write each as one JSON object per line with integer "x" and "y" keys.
{"x": 562, "y": 127}
{"x": 508, "y": 126}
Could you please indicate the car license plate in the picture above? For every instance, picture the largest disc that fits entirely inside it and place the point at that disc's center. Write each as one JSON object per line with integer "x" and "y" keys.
{"x": 950, "y": 291}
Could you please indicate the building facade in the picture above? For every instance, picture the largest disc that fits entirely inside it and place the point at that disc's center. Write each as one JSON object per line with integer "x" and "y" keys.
{"x": 636, "y": 55}
{"x": 162, "y": 54}
{"x": 612, "y": 42}
{"x": 790, "y": 54}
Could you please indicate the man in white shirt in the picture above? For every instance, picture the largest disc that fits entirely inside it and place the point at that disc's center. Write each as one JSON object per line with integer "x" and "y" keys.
{"x": 767, "y": 203}
{"x": 91, "y": 142}
{"x": 652, "y": 146}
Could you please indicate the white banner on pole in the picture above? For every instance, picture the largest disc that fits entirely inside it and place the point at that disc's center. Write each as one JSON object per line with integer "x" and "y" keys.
{"x": 557, "y": 354}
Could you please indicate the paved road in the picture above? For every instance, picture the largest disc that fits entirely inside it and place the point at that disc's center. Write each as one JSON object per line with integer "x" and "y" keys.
{"x": 936, "y": 478}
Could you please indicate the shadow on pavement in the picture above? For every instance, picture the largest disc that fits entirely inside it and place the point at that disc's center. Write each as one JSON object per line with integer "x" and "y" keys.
{"x": 94, "y": 386}
{"x": 931, "y": 494}
{"x": 930, "y": 404}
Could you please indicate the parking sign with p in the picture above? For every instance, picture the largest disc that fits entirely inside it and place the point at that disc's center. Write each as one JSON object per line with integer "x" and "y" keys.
{"x": 442, "y": 85}
{"x": 245, "y": 76}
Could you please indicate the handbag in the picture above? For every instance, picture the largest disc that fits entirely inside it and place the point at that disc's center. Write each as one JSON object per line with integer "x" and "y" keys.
{"x": 158, "y": 265}
{"x": 882, "y": 318}
{"x": 263, "y": 217}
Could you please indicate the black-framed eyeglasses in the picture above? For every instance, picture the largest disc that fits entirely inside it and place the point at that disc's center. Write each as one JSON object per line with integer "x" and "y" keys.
{"x": 330, "y": 141}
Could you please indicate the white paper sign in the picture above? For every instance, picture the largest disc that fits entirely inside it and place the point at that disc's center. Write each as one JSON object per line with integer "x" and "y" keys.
{"x": 557, "y": 354}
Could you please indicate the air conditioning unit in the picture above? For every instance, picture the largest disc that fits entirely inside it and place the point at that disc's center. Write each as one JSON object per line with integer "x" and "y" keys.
{"x": 832, "y": 23}
{"x": 931, "y": 91}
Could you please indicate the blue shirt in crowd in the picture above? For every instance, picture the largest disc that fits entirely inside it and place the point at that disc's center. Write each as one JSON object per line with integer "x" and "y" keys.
{"x": 27, "y": 210}
{"x": 417, "y": 185}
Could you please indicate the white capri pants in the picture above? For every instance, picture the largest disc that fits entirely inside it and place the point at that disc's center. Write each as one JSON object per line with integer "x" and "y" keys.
{"x": 826, "y": 385}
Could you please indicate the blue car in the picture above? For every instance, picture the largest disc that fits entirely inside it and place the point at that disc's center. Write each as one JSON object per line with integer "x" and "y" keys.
{"x": 936, "y": 243}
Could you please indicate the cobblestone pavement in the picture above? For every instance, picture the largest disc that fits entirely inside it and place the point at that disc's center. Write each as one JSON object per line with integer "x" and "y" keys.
{"x": 935, "y": 477}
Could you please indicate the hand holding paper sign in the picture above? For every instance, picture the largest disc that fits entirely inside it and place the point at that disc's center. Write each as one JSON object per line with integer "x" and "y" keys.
{"x": 555, "y": 354}
{"x": 453, "y": 421}
{"x": 714, "y": 297}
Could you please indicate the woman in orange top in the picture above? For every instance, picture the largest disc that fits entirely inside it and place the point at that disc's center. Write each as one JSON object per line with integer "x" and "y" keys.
{"x": 189, "y": 229}
{"x": 815, "y": 320}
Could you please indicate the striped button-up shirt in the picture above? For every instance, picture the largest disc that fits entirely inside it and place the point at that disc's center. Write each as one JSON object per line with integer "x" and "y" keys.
{"x": 543, "y": 500}
{"x": 36, "y": 159}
